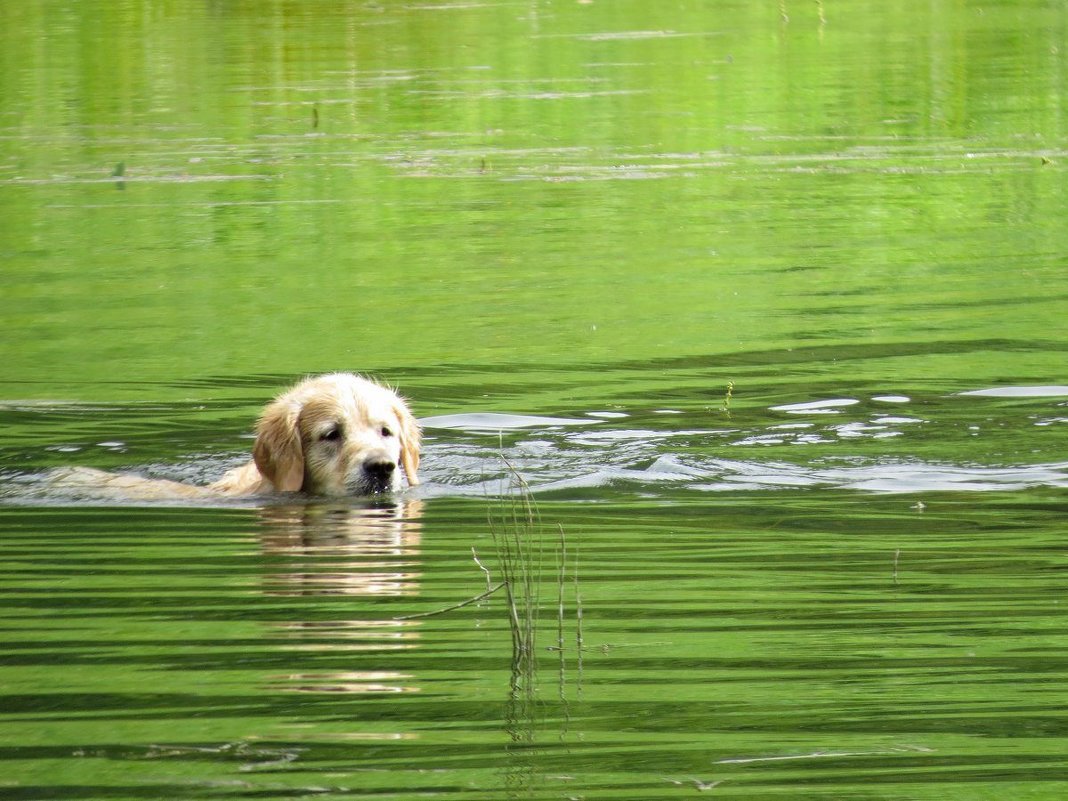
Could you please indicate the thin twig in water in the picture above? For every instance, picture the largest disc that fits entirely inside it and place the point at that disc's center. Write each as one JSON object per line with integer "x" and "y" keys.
{"x": 727, "y": 398}
{"x": 520, "y": 544}
{"x": 560, "y": 590}
{"x": 579, "y": 645}
{"x": 517, "y": 539}
{"x": 562, "y": 561}
{"x": 485, "y": 570}
{"x": 460, "y": 605}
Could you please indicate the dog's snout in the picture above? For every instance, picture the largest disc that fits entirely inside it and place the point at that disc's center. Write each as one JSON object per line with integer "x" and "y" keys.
{"x": 379, "y": 467}
{"x": 379, "y": 474}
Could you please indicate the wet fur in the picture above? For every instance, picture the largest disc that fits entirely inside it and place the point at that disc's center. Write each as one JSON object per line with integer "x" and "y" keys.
{"x": 332, "y": 435}
{"x": 291, "y": 454}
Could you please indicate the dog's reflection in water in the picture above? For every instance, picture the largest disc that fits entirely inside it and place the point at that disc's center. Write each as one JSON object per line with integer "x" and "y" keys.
{"x": 339, "y": 549}
{"x": 344, "y": 550}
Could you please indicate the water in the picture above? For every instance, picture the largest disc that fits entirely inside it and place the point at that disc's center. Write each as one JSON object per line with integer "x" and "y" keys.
{"x": 764, "y": 301}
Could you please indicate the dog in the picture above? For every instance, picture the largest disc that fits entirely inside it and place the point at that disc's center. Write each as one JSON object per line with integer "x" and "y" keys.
{"x": 332, "y": 435}
{"x": 336, "y": 434}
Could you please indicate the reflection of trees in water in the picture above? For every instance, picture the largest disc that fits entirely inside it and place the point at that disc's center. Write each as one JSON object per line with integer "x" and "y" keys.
{"x": 343, "y": 550}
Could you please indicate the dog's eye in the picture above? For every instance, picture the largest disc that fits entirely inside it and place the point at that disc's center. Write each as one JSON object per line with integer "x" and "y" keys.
{"x": 387, "y": 431}
{"x": 331, "y": 434}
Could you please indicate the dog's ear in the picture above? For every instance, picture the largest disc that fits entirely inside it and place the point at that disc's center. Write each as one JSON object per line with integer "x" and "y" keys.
{"x": 409, "y": 440}
{"x": 278, "y": 452}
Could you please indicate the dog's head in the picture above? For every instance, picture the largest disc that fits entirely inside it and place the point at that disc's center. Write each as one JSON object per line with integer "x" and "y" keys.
{"x": 337, "y": 434}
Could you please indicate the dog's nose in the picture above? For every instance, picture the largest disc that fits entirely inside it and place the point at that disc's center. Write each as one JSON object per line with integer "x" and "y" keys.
{"x": 379, "y": 468}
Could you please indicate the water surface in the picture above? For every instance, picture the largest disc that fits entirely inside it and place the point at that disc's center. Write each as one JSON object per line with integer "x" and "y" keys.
{"x": 763, "y": 301}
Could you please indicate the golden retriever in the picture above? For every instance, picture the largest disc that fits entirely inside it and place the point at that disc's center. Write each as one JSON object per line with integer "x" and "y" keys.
{"x": 337, "y": 434}
{"x": 333, "y": 435}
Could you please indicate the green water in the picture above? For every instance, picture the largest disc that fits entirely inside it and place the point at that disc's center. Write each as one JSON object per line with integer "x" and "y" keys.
{"x": 564, "y": 229}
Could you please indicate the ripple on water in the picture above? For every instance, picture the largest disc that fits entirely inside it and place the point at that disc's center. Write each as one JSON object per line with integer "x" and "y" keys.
{"x": 1019, "y": 392}
{"x": 490, "y": 421}
{"x": 827, "y": 443}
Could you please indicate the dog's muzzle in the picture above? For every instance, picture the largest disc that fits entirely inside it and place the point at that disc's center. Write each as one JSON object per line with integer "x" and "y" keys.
{"x": 377, "y": 474}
